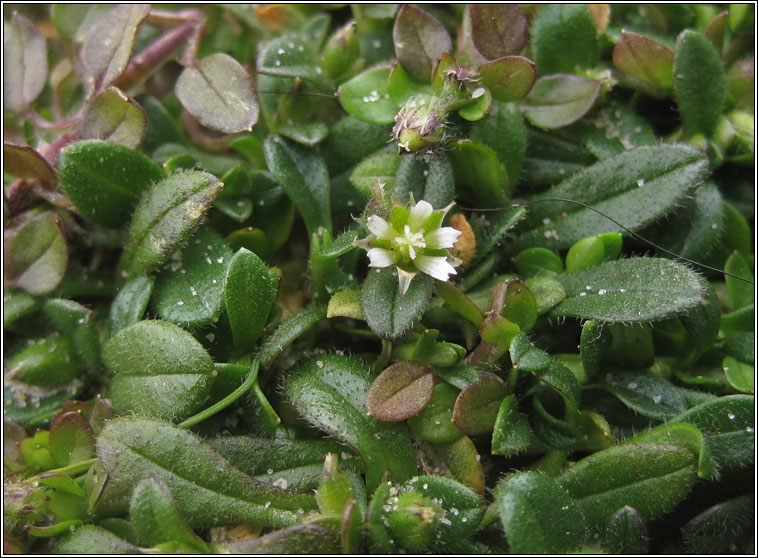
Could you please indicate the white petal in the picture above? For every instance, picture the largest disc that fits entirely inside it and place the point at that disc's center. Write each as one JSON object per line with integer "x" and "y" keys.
{"x": 404, "y": 278}
{"x": 380, "y": 228}
{"x": 381, "y": 257}
{"x": 419, "y": 214}
{"x": 436, "y": 266}
{"x": 443, "y": 237}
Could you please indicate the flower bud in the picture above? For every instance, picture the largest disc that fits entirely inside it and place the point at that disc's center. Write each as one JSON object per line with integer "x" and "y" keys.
{"x": 461, "y": 87}
{"x": 419, "y": 125}
{"x": 23, "y": 503}
{"x": 413, "y": 519}
{"x": 341, "y": 51}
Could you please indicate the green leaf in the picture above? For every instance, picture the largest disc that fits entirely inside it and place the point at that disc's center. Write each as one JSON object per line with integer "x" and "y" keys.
{"x": 511, "y": 433}
{"x": 303, "y": 176}
{"x": 400, "y": 391}
{"x": 286, "y": 332}
{"x": 498, "y": 29}
{"x": 538, "y": 515}
{"x": 219, "y": 92}
{"x": 37, "y": 254}
{"x": 741, "y": 376}
{"x": 190, "y": 290}
{"x": 645, "y": 59}
{"x": 72, "y": 318}
{"x": 109, "y": 42}
{"x": 388, "y": 313}
{"x": 367, "y": 98}
{"x": 159, "y": 369}
{"x": 419, "y": 40}
{"x": 24, "y": 63}
{"x": 503, "y": 130}
{"x": 699, "y": 83}
{"x": 16, "y": 305}
{"x": 71, "y": 439}
{"x": 402, "y": 86}
{"x": 564, "y": 39}
{"x": 741, "y": 293}
{"x": 91, "y": 539}
{"x": 493, "y": 231}
{"x": 113, "y": 116}
{"x": 165, "y": 218}
{"x": 651, "y": 478}
{"x": 249, "y": 292}
{"x": 537, "y": 261}
{"x": 378, "y": 168}
{"x": 208, "y": 491}
{"x": 479, "y": 173}
{"x": 559, "y": 100}
{"x": 646, "y": 394}
{"x": 45, "y": 363}
{"x": 26, "y": 162}
{"x": 156, "y": 520}
{"x": 310, "y": 538}
{"x": 704, "y": 533}
{"x": 626, "y": 533}
{"x": 330, "y": 392}
{"x": 585, "y": 253}
{"x": 106, "y": 180}
{"x": 435, "y": 422}
{"x": 130, "y": 303}
{"x": 290, "y": 56}
{"x": 510, "y": 78}
{"x": 347, "y": 304}
{"x": 427, "y": 178}
{"x": 631, "y": 290}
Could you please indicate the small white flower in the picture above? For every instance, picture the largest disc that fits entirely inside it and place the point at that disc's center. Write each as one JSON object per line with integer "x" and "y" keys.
{"x": 414, "y": 241}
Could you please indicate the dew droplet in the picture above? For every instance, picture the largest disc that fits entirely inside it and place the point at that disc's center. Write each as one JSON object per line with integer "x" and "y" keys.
{"x": 180, "y": 303}
{"x": 632, "y": 385}
{"x": 657, "y": 399}
{"x": 731, "y": 415}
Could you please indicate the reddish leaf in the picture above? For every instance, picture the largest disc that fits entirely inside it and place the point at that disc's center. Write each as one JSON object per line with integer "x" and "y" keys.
{"x": 401, "y": 391}
{"x": 71, "y": 438}
{"x": 419, "y": 40}
{"x": 25, "y": 162}
{"x": 645, "y": 59}
{"x": 476, "y": 406}
{"x": 498, "y": 29}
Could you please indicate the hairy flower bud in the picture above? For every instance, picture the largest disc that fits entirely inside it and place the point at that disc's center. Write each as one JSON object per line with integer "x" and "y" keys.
{"x": 419, "y": 125}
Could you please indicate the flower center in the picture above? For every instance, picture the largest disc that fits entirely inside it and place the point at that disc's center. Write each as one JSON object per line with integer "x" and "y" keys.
{"x": 407, "y": 243}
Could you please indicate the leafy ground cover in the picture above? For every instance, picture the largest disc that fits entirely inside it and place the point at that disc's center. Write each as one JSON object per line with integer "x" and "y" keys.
{"x": 379, "y": 278}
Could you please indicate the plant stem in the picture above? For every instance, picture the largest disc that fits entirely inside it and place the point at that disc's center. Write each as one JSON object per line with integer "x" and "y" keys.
{"x": 226, "y": 401}
{"x": 73, "y": 469}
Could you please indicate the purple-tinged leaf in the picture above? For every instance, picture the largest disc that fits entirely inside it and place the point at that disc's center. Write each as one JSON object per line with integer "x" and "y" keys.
{"x": 716, "y": 29}
{"x": 560, "y": 99}
{"x": 111, "y": 115}
{"x": 219, "y": 92}
{"x": 109, "y": 42}
{"x": 26, "y": 162}
{"x": 400, "y": 391}
{"x": 24, "y": 63}
{"x": 419, "y": 40}
{"x": 476, "y": 406}
{"x": 71, "y": 438}
{"x": 37, "y": 254}
{"x": 509, "y": 78}
{"x": 498, "y": 29}
{"x": 644, "y": 59}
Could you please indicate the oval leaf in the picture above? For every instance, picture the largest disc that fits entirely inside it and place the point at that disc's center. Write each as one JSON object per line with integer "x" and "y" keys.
{"x": 219, "y": 93}
{"x": 165, "y": 218}
{"x": 25, "y": 162}
{"x": 538, "y": 515}
{"x": 509, "y": 78}
{"x": 636, "y": 188}
{"x": 400, "y": 391}
{"x": 651, "y": 478}
{"x": 286, "y": 332}
{"x": 159, "y": 369}
{"x": 71, "y": 439}
{"x": 37, "y": 254}
{"x": 388, "y": 313}
{"x": 303, "y": 176}
{"x": 367, "y": 98}
{"x": 645, "y": 59}
{"x": 249, "y": 292}
{"x": 207, "y": 489}
{"x": 24, "y": 63}
{"x": 330, "y": 392}
{"x": 564, "y": 39}
{"x": 699, "y": 83}
{"x": 419, "y": 40}
{"x": 560, "y": 99}
{"x": 105, "y": 180}
{"x": 130, "y": 303}
{"x": 109, "y": 42}
{"x": 190, "y": 290}
{"x": 622, "y": 291}
{"x": 498, "y": 29}
{"x": 113, "y": 116}
{"x": 476, "y": 407}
